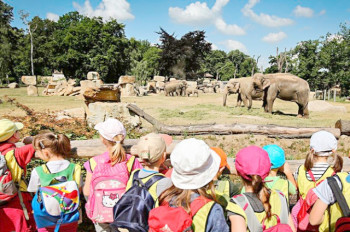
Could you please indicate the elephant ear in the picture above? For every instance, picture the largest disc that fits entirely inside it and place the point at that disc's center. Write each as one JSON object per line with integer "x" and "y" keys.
{"x": 266, "y": 83}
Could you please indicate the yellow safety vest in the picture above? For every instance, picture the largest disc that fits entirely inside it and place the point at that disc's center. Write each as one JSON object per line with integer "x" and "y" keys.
{"x": 278, "y": 204}
{"x": 304, "y": 185}
{"x": 16, "y": 171}
{"x": 334, "y": 210}
{"x": 283, "y": 186}
{"x": 200, "y": 219}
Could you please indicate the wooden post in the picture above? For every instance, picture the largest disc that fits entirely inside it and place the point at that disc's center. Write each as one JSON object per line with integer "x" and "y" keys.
{"x": 334, "y": 94}
{"x": 324, "y": 94}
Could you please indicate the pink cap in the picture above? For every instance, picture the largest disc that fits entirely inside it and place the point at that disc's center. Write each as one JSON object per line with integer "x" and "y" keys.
{"x": 253, "y": 160}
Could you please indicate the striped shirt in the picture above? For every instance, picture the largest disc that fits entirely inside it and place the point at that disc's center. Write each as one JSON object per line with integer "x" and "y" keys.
{"x": 317, "y": 170}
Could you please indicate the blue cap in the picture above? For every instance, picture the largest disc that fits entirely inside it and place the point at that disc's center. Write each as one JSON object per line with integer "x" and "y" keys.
{"x": 348, "y": 178}
{"x": 276, "y": 155}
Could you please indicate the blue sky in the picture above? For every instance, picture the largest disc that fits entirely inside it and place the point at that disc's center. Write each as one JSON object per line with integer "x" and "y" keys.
{"x": 255, "y": 27}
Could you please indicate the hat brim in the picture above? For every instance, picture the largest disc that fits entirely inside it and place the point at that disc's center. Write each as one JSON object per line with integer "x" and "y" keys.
{"x": 200, "y": 179}
{"x": 19, "y": 125}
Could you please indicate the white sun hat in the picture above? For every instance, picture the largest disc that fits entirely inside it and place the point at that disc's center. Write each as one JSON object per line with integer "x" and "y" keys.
{"x": 323, "y": 143}
{"x": 110, "y": 128}
{"x": 194, "y": 164}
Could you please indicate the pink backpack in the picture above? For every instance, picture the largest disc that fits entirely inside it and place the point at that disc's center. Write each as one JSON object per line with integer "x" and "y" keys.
{"x": 107, "y": 187}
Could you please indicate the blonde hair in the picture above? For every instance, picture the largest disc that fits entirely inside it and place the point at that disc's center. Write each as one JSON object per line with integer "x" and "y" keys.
{"x": 311, "y": 156}
{"x": 262, "y": 191}
{"x": 182, "y": 197}
{"x": 117, "y": 152}
{"x": 58, "y": 144}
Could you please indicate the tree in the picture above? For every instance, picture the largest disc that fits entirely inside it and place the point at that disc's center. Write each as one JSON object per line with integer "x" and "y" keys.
{"x": 182, "y": 57}
{"x": 31, "y": 29}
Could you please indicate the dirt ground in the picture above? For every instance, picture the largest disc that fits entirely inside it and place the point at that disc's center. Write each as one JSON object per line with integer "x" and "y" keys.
{"x": 207, "y": 108}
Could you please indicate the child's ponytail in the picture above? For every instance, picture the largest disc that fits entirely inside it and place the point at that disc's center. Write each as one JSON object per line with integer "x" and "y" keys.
{"x": 309, "y": 161}
{"x": 338, "y": 163}
{"x": 262, "y": 192}
{"x": 117, "y": 152}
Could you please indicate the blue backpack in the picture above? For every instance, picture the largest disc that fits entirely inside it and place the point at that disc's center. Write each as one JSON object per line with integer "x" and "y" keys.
{"x": 56, "y": 204}
{"x": 132, "y": 210}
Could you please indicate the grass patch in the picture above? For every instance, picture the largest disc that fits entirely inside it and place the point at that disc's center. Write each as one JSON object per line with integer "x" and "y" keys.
{"x": 188, "y": 114}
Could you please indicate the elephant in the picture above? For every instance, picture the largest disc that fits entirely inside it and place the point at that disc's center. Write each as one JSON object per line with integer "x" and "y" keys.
{"x": 284, "y": 86}
{"x": 191, "y": 90}
{"x": 173, "y": 87}
{"x": 246, "y": 92}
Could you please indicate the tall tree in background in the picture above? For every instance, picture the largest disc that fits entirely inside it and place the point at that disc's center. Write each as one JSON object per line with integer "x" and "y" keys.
{"x": 31, "y": 27}
{"x": 182, "y": 57}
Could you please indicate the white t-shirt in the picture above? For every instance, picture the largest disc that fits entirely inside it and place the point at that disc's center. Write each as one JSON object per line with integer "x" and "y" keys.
{"x": 317, "y": 170}
{"x": 324, "y": 191}
{"x": 54, "y": 167}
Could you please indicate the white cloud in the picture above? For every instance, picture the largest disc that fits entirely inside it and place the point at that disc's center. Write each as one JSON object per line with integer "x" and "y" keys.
{"x": 264, "y": 19}
{"x": 322, "y": 12}
{"x": 233, "y": 45}
{"x": 305, "y": 12}
{"x": 107, "y": 9}
{"x": 199, "y": 14}
{"x": 214, "y": 47}
{"x": 52, "y": 16}
{"x": 274, "y": 37}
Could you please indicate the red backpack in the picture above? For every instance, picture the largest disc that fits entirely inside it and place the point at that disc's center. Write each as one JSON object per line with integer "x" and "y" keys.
{"x": 8, "y": 188}
{"x": 170, "y": 219}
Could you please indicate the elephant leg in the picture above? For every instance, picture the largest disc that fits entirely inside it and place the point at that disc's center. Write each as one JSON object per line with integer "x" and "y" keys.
{"x": 250, "y": 102}
{"x": 245, "y": 100}
{"x": 239, "y": 100}
{"x": 271, "y": 97}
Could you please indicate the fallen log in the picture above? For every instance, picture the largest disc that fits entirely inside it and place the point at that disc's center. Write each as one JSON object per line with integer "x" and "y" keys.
{"x": 222, "y": 129}
{"x": 344, "y": 126}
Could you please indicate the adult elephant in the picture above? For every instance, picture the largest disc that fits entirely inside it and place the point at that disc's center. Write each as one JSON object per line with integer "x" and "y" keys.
{"x": 244, "y": 87}
{"x": 175, "y": 87}
{"x": 284, "y": 86}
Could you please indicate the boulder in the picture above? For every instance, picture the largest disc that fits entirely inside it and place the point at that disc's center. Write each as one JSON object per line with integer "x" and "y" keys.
{"x": 126, "y": 79}
{"x": 32, "y": 90}
{"x": 192, "y": 84}
{"x": 159, "y": 78}
{"x": 73, "y": 113}
{"x": 127, "y": 90}
{"x": 71, "y": 82}
{"x": 13, "y": 85}
{"x": 172, "y": 79}
{"x": 151, "y": 87}
{"x": 93, "y": 76}
{"x": 99, "y": 111}
{"x": 29, "y": 80}
{"x": 89, "y": 85}
{"x": 68, "y": 90}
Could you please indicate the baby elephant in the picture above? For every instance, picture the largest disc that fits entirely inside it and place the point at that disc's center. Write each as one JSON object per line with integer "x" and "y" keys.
{"x": 191, "y": 90}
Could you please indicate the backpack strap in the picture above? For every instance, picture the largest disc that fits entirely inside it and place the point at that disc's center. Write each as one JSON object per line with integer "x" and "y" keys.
{"x": 46, "y": 177}
{"x": 283, "y": 218}
{"x": 151, "y": 181}
{"x": 130, "y": 164}
{"x": 339, "y": 196}
{"x": 252, "y": 220}
{"x": 311, "y": 175}
{"x": 198, "y": 203}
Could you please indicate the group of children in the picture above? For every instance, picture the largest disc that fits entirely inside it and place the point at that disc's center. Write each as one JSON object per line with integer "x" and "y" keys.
{"x": 195, "y": 192}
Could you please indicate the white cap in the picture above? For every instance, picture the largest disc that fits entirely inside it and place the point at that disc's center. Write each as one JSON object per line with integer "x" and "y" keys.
{"x": 194, "y": 163}
{"x": 323, "y": 142}
{"x": 110, "y": 128}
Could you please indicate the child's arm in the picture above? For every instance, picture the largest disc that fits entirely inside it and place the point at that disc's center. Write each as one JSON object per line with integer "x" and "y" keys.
{"x": 24, "y": 155}
{"x": 34, "y": 182}
{"x": 286, "y": 170}
{"x": 317, "y": 212}
{"x": 237, "y": 223}
{"x": 86, "y": 187}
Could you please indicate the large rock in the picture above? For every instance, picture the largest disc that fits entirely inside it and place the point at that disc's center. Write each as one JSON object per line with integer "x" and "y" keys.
{"x": 126, "y": 79}
{"x": 93, "y": 76}
{"x": 159, "y": 78}
{"x": 72, "y": 113}
{"x": 99, "y": 111}
{"x": 172, "y": 79}
{"x": 151, "y": 87}
{"x": 127, "y": 90}
{"x": 29, "y": 80}
{"x": 89, "y": 85}
{"x": 192, "y": 84}
{"x": 13, "y": 85}
{"x": 32, "y": 90}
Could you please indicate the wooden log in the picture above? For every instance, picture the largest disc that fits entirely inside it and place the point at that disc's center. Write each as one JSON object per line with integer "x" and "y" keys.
{"x": 221, "y": 129}
{"x": 343, "y": 126}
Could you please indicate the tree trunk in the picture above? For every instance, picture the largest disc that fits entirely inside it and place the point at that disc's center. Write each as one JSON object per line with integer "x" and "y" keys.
{"x": 221, "y": 129}
{"x": 343, "y": 126}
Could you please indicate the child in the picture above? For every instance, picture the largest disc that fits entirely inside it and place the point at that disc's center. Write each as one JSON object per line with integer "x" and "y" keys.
{"x": 151, "y": 149}
{"x": 316, "y": 168}
{"x": 14, "y": 216}
{"x": 116, "y": 162}
{"x": 54, "y": 149}
{"x": 259, "y": 206}
{"x": 130, "y": 213}
{"x": 326, "y": 199}
{"x": 278, "y": 162}
{"x": 194, "y": 167}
